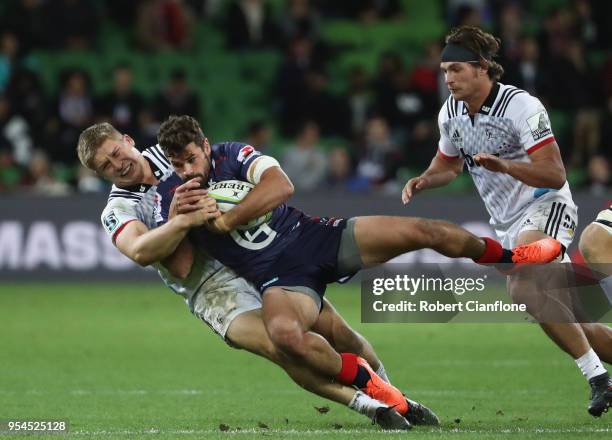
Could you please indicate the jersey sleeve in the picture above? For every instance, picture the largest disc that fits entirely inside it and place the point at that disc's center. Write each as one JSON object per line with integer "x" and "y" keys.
{"x": 531, "y": 122}
{"x": 240, "y": 157}
{"x": 446, "y": 149}
{"x": 116, "y": 215}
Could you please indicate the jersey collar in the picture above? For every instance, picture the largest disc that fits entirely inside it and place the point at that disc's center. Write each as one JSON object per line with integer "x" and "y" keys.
{"x": 487, "y": 105}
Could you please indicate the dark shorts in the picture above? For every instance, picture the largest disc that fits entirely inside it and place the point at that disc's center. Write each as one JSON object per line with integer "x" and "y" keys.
{"x": 312, "y": 260}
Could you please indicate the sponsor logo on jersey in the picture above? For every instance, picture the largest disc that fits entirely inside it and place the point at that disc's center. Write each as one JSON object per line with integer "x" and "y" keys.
{"x": 245, "y": 152}
{"x": 539, "y": 125}
{"x": 157, "y": 208}
{"x": 111, "y": 222}
{"x": 469, "y": 160}
{"x": 456, "y": 137}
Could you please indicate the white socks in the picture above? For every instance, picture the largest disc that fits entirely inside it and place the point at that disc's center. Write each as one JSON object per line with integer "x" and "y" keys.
{"x": 365, "y": 405}
{"x": 590, "y": 365}
{"x": 383, "y": 374}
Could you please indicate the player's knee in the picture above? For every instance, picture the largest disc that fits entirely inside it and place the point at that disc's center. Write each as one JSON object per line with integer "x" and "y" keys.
{"x": 286, "y": 335}
{"x": 590, "y": 244}
{"x": 523, "y": 291}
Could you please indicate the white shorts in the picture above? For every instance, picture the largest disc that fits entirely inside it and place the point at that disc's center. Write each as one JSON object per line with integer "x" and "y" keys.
{"x": 604, "y": 219}
{"x": 554, "y": 214}
{"x": 219, "y": 306}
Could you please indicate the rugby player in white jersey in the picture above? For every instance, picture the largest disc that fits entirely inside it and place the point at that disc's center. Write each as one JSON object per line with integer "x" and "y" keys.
{"x": 596, "y": 247}
{"x": 214, "y": 293}
{"x": 504, "y": 136}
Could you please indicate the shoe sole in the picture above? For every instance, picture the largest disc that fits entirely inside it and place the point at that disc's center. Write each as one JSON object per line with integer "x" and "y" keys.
{"x": 422, "y": 415}
{"x": 390, "y": 420}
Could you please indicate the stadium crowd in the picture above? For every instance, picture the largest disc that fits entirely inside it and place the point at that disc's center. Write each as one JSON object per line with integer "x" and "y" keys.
{"x": 366, "y": 134}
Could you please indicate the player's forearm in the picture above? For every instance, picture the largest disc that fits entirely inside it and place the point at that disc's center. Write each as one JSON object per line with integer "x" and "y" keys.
{"x": 274, "y": 189}
{"x": 159, "y": 243}
{"x": 179, "y": 262}
{"x": 441, "y": 172}
{"x": 537, "y": 174}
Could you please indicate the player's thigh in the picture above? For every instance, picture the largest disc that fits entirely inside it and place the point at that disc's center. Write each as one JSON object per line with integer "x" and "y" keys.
{"x": 247, "y": 331}
{"x": 333, "y": 327}
{"x": 526, "y": 237}
{"x": 596, "y": 244}
{"x": 288, "y": 311}
{"x": 380, "y": 238}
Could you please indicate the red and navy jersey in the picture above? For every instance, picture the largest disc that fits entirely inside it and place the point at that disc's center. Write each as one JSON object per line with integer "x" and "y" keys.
{"x": 248, "y": 252}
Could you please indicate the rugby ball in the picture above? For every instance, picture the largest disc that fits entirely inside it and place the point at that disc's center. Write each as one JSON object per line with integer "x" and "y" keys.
{"x": 229, "y": 193}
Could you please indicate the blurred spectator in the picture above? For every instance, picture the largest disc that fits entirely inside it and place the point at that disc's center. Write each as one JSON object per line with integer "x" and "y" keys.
{"x": 557, "y": 33}
{"x": 390, "y": 66}
{"x": 9, "y": 52}
{"x": 605, "y": 147}
{"x": 250, "y": 25}
{"x": 599, "y": 175}
{"x": 359, "y": 98}
{"x": 122, "y": 105}
{"x": 466, "y": 15}
{"x": 510, "y": 32}
{"x": 165, "y": 25}
{"x": 339, "y": 171}
{"x": 259, "y": 135}
{"x": 299, "y": 19}
{"x": 422, "y": 145}
{"x": 177, "y": 98}
{"x": 40, "y": 179}
{"x": 305, "y": 162}
{"x": 425, "y": 75}
{"x": 14, "y": 133}
{"x": 121, "y": 12}
{"x": 72, "y": 112}
{"x": 526, "y": 72}
{"x": 367, "y": 11}
{"x": 600, "y": 13}
{"x": 72, "y": 24}
{"x": 291, "y": 82}
{"x": 401, "y": 103}
{"x": 327, "y": 110}
{"x": 582, "y": 98}
{"x": 587, "y": 28}
{"x": 89, "y": 182}
{"x": 340, "y": 174}
{"x": 380, "y": 157}
{"x": 26, "y": 18}
{"x": 27, "y": 99}
{"x": 10, "y": 173}
{"x": 148, "y": 125}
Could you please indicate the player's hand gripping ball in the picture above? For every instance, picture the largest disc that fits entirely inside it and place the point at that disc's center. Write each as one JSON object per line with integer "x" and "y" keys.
{"x": 230, "y": 193}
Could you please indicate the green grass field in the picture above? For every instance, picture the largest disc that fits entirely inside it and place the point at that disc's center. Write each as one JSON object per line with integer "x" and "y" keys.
{"x": 129, "y": 361}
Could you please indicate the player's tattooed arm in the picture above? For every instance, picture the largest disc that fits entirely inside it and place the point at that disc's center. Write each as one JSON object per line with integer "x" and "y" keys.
{"x": 441, "y": 172}
{"x": 545, "y": 170}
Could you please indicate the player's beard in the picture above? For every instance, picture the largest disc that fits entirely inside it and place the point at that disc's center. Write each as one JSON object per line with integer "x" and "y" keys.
{"x": 204, "y": 175}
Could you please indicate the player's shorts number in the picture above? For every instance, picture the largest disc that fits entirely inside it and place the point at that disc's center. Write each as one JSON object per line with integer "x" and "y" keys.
{"x": 254, "y": 239}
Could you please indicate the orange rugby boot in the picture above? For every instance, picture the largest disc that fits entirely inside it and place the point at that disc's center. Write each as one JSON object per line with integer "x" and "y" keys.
{"x": 382, "y": 391}
{"x": 539, "y": 252}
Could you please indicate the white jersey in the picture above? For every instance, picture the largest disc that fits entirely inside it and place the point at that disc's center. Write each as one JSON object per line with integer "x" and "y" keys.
{"x": 511, "y": 124}
{"x": 142, "y": 203}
